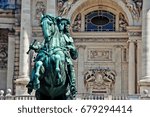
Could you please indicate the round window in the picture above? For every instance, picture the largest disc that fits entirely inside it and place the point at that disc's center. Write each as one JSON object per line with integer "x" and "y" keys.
{"x": 100, "y": 20}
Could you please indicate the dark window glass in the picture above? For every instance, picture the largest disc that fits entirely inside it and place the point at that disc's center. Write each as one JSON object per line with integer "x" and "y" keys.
{"x": 7, "y": 4}
{"x": 100, "y": 20}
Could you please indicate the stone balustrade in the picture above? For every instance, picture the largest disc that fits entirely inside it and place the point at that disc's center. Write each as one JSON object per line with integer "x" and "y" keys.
{"x": 80, "y": 96}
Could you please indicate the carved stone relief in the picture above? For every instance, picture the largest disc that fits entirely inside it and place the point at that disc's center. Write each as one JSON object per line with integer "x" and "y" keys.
{"x": 135, "y": 7}
{"x": 99, "y": 54}
{"x": 3, "y": 48}
{"x": 100, "y": 40}
{"x": 76, "y": 26}
{"x": 39, "y": 7}
{"x": 100, "y": 79}
{"x": 64, "y": 6}
{"x": 122, "y": 23}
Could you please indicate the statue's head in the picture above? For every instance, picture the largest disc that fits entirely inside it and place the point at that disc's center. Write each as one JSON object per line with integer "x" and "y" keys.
{"x": 63, "y": 24}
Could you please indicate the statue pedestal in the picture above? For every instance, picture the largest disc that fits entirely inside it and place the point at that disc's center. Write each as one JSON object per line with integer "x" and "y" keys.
{"x": 144, "y": 86}
{"x": 21, "y": 83}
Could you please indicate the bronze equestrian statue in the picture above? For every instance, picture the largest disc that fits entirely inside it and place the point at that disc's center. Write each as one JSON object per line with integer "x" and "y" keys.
{"x": 53, "y": 74}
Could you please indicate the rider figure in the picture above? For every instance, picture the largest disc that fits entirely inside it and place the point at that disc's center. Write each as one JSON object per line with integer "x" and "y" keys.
{"x": 42, "y": 50}
{"x": 64, "y": 25}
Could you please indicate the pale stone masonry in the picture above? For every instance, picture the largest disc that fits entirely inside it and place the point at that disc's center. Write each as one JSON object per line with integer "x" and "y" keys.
{"x": 25, "y": 37}
{"x": 145, "y": 81}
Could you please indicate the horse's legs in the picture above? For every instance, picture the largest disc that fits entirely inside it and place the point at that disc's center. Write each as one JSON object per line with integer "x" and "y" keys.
{"x": 36, "y": 74}
{"x": 38, "y": 65}
{"x": 57, "y": 69}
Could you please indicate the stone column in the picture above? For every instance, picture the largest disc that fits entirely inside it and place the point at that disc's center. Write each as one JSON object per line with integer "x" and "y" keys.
{"x": 11, "y": 57}
{"x": 145, "y": 82}
{"x": 139, "y": 62}
{"x": 131, "y": 72}
{"x": 51, "y": 7}
{"x": 25, "y": 38}
{"x": 118, "y": 68}
{"x": 80, "y": 78}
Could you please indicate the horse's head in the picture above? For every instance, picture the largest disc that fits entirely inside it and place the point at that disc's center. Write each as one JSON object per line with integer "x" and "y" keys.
{"x": 48, "y": 26}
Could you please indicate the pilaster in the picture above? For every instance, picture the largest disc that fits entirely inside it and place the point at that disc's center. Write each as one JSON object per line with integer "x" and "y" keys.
{"x": 134, "y": 34}
{"x": 131, "y": 72}
{"x": 25, "y": 38}
{"x": 10, "y": 64}
{"x": 118, "y": 69}
{"x": 144, "y": 83}
{"x": 80, "y": 76}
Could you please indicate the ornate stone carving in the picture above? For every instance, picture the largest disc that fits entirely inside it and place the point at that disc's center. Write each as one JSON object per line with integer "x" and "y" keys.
{"x": 99, "y": 79}
{"x": 3, "y": 56}
{"x": 135, "y": 33}
{"x": 40, "y": 8}
{"x": 122, "y": 23}
{"x": 99, "y": 54}
{"x": 3, "y": 48}
{"x": 76, "y": 26}
{"x": 64, "y": 6}
{"x": 135, "y": 7}
{"x": 80, "y": 40}
{"x": 3, "y": 36}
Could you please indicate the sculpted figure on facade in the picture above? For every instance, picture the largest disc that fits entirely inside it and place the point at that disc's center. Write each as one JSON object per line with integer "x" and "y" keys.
{"x": 53, "y": 75}
{"x": 122, "y": 23}
{"x": 100, "y": 79}
{"x": 135, "y": 7}
{"x": 76, "y": 26}
{"x": 64, "y": 6}
{"x": 40, "y": 9}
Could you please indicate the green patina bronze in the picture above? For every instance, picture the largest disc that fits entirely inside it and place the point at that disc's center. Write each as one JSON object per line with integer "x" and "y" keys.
{"x": 53, "y": 75}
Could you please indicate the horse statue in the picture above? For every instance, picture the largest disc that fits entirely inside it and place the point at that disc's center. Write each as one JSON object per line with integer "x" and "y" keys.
{"x": 53, "y": 75}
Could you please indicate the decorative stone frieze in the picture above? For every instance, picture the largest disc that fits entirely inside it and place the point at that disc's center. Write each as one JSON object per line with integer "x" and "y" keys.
{"x": 99, "y": 54}
{"x": 114, "y": 40}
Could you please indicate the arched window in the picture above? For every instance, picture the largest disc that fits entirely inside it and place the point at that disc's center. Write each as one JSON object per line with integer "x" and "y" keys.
{"x": 100, "y": 20}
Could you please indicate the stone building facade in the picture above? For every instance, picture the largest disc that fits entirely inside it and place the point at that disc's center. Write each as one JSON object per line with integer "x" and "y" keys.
{"x": 112, "y": 38}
